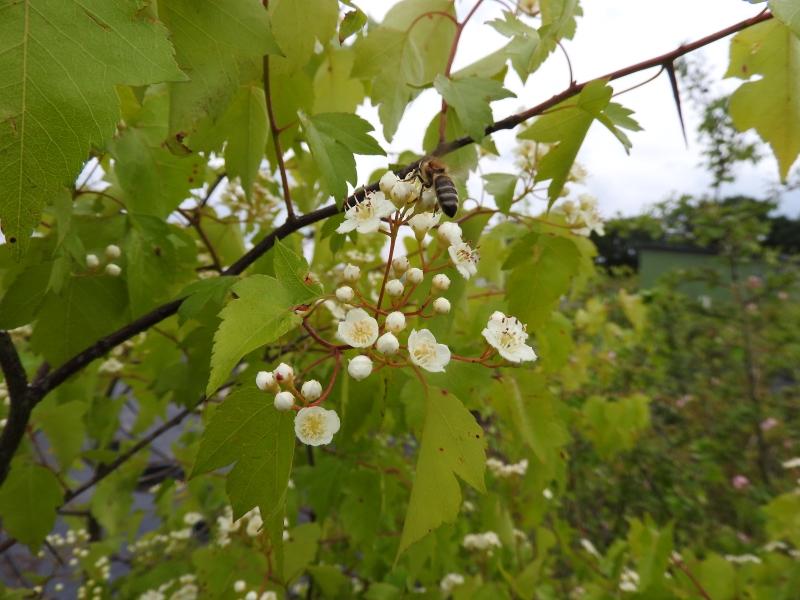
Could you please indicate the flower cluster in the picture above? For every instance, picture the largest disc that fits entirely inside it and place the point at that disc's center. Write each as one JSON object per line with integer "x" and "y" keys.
{"x": 240, "y": 586}
{"x": 503, "y": 471}
{"x": 112, "y": 252}
{"x": 628, "y": 580}
{"x": 584, "y": 216}
{"x": 484, "y": 542}
{"x": 450, "y": 581}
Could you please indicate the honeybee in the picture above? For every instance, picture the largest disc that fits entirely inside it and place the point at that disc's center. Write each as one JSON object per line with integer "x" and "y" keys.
{"x": 433, "y": 174}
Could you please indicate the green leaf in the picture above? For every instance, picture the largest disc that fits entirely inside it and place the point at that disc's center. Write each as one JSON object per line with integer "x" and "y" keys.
{"x": 63, "y": 425}
{"x": 452, "y": 444}
{"x": 615, "y": 426}
{"x": 335, "y": 89}
{"x": 501, "y": 186}
{"x": 566, "y": 126}
{"x": 219, "y": 568}
{"x": 353, "y": 21}
{"x": 771, "y": 104}
{"x": 292, "y": 271}
{"x": 262, "y": 312}
{"x": 783, "y": 517}
{"x": 203, "y": 292}
{"x": 558, "y": 22}
{"x": 247, "y": 124}
{"x": 24, "y": 296}
{"x": 220, "y": 44}
{"x": 86, "y": 309}
{"x": 333, "y": 139}
{"x": 470, "y": 99}
{"x": 28, "y": 501}
{"x": 522, "y": 47}
{"x": 788, "y": 12}
{"x": 248, "y": 431}
{"x": 651, "y": 549}
{"x": 298, "y": 25}
{"x": 543, "y": 269}
{"x": 718, "y": 577}
{"x": 61, "y": 63}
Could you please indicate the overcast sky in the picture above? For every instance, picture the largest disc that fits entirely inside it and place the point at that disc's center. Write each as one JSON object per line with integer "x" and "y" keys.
{"x": 611, "y": 34}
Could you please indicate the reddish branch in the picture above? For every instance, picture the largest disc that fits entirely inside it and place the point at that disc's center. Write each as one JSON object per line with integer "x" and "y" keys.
{"x": 275, "y": 135}
{"x": 25, "y": 396}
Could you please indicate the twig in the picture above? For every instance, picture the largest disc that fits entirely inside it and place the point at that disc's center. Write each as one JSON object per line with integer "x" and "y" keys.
{"x": 275, "y": 134}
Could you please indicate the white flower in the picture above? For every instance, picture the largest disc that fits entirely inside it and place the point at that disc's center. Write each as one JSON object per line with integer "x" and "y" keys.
{"x": 251, "y": 595}
{"x": 450, "y": 581}
{"x": 315, "y": 425}
{"x": 351, "y": 273}
{"x": 450, "y": 232}
{"x": 481, "y": 541}
{"x": 359, "y": 367}
{"x": 239, "y": 586}
{"x": 403, "y": 193}
{"x": 387, "y": 343}
{"x": 394, "y": 287}
{"x": 507, "y": 335}
{"x": 792, "y": 463}
{"x": 589, "y": 547}
{"x": 464, "y": 258}
{"x": 344, "y": 293}
{"x": 113, "y": 270}
{"x": 265, "y": 381}
{"x": 192, "y": 518}
{"x": 311, "y": 390}
{"x": 428, "y": 200}
{"x": 400, "y": 264}
{"x": 92, "y": 261}
{"x": 113, "y": 251}
{"x": 547, "y": 493}
{"x": 425, "y": 352}
{"x": 284, "y": 372}
{"x": 387, "y": 182}
{"x": 365, "y": 217}
{"x": 358, "y": 329}
{"x": 441, "y": 306}
{"x": 395, "y": 321}
{"x": 502, "y": 470}
{"x": 441, "y": 282}
{"x": 629, "y": 580}
{"x": 268, "y": 595}
{"x": 415, "y": 276}
{"x": 111, "y": 366}
{"x": 423, "y": 222}
{"x": 283, "y": 401}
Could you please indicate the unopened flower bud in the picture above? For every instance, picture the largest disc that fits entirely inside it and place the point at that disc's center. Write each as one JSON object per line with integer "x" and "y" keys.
{"x": 450, "y": 232}
{"x": 387, "y": 343}
{"x": 113, "y": 251}
{"x": 284, "y": 401}
{"x": 387, "y": 182}
{"x": 92, "y": 261}
{"x": 441, "y": 282}
{"x": 428, "y": 199}
{"x": 284, "y": 372}
{"x": 239, "y": 586}
{"x": 394, "y": 287}
{"x": 395, "y": 321}
{"x": 415, "y": 276}
{"x": 265, "y": 380}
{"x": 400, "y": 265}
{"x": 311, "y": 390}
{"x": 113, "y": 270}
{"x": 344, "y": 293}
{"x": 351, "y": 273}
{"x": 359, "y": 367}
{"x": 441, "y": 306}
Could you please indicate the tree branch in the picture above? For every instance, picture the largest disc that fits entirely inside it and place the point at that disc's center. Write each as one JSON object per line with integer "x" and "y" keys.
{"x": 20, "y": 405}
{"x": 19, "y": 419}
{"x": 275, "y": 133}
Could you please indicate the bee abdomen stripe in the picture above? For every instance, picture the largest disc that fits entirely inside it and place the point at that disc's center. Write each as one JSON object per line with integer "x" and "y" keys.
{"x": 445, "y": 188}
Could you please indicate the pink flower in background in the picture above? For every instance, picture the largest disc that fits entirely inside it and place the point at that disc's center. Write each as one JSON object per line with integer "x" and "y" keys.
{"x": 683, "y": 400}
{"x": 769, "y": 423}
{"x": 740, "y": 482}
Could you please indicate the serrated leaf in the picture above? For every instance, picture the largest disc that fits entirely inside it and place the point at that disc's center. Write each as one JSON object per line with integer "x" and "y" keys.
{"x": 261, "y": 313}
{"x": 353, "y": 21}
{"x": 543, "y": 268}
{"x": 501, "y": 186}
{"x": 770, "y": 105}
{"x": 452, "y": 444}
{"x": 292, "y": 271}
{"x": 333, "y": 139}
{"x": 249, "y": 432}
{"x": 614, "y": 426}
{"x": 200, "y": 293}
{"x": 63, "y": 425}
{"x": 559, "y": 21}
{"x": 566, "y": 126}
{"x": 28, "y": 501}
{"x": 522, "y": 47}
{"x": 24, "y": 296}
{"x": 60, "y": 63}
{"x": 220, "y": 44}
{"x": 247, "y": 124}
{"x": 470, "y": 99}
